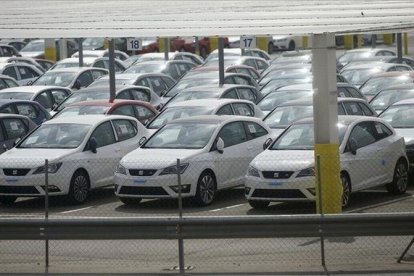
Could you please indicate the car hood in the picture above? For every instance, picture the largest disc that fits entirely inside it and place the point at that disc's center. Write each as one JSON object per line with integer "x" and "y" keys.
{"x": 407, "y": 133}
{"x": 283, "y": 160}
{"x": 143, "y": 158}
{"x": 31, "y": 158}
{"x": 31, "y": 54}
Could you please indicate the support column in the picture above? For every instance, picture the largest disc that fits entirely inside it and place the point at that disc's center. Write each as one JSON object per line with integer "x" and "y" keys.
{"x": 388, "y": 39}
{"x": 63, "y": 48}
{"x": 80, "y": 51}
{"x": 112, "y": 88}
{"x": 399, "y": 47}
{"x": 263, "y": 43}
{"x": 305, "y": 42}
{"x": 213, "y": 44}
{"x": 359, "y": 40}
{"x": 348, "y": 41}
{"x": 405, "y": 44}
{"x": 166, "y": 48}
{"x": 325, "y": 112}
{"x": 50, "y": 49}
{"x": 221, "y": 60}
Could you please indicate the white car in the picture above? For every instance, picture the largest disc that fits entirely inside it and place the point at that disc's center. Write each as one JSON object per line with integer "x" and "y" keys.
{"x": 82, "y": 154}
{"x": 371, "y": 154}
{"x": 214, "y": 153}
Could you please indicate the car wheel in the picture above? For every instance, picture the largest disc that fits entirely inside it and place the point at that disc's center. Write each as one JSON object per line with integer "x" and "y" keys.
{"x": 270, "y": 49}
{"x": 399, "y": 182}
{"x": 203, "y": 52}
{"x": 7, "y": 200}
{"x": 206, "y": 189}
{"x": 291, "y": 46}
{"x": 130, "y": 200}
{"x": 79, "y": 187}
{"x": 259, "y": 204}
{"x": 346, "y": 189}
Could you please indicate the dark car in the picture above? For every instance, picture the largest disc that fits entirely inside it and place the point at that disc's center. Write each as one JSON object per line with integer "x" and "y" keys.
{"x": 33, "y": 110}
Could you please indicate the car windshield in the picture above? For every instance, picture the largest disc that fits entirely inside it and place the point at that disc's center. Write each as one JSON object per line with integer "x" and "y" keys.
{"x": 277, "y": 83}
{"x": 82, "y": 110}
{"x": 173, "y": 113}
{"x": 359, "y": 76}
{"x": 16, "y": 95}
{"x": 118, "y": 82}
{"x": 194, "y": 95}
{"x": 400, "y": 116}
{"x": 33, "y": 47}
{"x": 301, "y": 137}
{"x": 348, "y": 57}
{"x": 92, "y": 43}
{"x": 283, "y": 116}
{"x": 61, "y": 136}
{"x": 65, "y": 65}
{"x": 56, "y": 78}
{"x": 387, "y": 97}
{"x": 182, "y": 136}
{"x": 373, "y": 85}
{"x": 188, "y": 83}
{"x": 83, "y": 97}
{"x": 277, "y": 98}
{"x": 145, "y": 68}
{"x": 228, "y": 61}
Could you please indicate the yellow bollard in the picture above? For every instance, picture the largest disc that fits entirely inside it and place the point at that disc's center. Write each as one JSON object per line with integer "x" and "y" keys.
{"x": 359, "y": 40}
{"x": 262, "y": 42}
{"x": 305, "y": 42}
{"x": 330, "y": 186}
{"x": 348, "y": 41}
{"x": 405, "y": 44}
{"x": 50, "y": 49}
{"x": 388, "y": 39}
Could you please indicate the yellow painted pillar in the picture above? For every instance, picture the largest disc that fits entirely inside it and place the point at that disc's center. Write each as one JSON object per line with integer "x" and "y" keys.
{"x": 262, "y": 42}
{"x": 106, "y": 43}
{"x": 50, "y": 49}
{"x": 359, "y": 40}
{"x": 405, "y": 44}
{"x": 305, "y": 42}
{"x": 388, "y": 39}
{"x": 161, "y": 44}
{"x": 348, "y": 41}
{"x": 213, "y": 43}
{"x": 329, "y": 190}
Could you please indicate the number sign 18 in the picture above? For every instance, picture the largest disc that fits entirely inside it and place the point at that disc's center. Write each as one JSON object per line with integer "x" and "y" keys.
{"x": 134, "y": 44}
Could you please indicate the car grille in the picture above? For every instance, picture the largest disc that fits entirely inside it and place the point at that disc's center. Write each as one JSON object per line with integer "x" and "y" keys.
{"x": 16, "y": 172}
{"x": 139, "y": 172}
{"x": 128, "y": 190}
{"x": 278, "y": 193}
{"x": 277, "y": 174}
{"x": 18, "y": 190}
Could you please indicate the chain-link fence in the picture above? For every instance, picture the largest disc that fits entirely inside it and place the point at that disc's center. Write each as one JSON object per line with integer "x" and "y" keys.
{"x": 275, "y": 182}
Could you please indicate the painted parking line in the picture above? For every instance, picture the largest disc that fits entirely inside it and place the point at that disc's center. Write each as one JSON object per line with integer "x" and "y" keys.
{"x": 379, "y": 204}
{"x": 229, "y": 207}
{"x": 77, "y": 210}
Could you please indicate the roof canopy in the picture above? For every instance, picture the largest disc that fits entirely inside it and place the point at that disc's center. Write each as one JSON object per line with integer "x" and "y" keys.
{"x": 132, "y": 18}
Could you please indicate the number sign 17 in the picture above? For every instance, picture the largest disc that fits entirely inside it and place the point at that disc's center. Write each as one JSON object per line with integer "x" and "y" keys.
{"x": 247, "y": 42}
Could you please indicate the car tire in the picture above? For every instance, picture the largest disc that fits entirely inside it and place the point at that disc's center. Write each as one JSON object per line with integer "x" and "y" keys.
{"x": 206, "y": 189}
{"x": 291, "y": 46}
{"x": 346, "y": 189}
{"x": 7, "y": 200}
{"x": 399, "y": 182}
{"x": 259, "y": 204}
{"x": 270, "y": 49}
{"x": 130, "y": 200}
{"x": 79, "y": 187}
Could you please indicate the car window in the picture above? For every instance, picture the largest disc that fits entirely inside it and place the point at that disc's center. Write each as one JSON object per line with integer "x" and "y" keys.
{"x": 11, "y": 72}
{"x": 10, "y": 83}
{"x": 233, "y": 134}
{"x": 104, "y": 135}
{"x": 26, "y": 72}
{"x": 400, "y": 68}
{"x": 230, "y": 94}
{"x": 99, "y": 64}
{"x": 229, "y": 80}
{"x": 354, "y": 93}
{"x": 118, "y": 67}
{"x": 168, "y": 82}
{"x": 174, "y": 71}
{"x": 341, "y": 110}
{"x": 59, "y": 95}
{"x": 85, "y": 79}
{"x": 261, "y": 65}
{"x": 27, "y": 110}
{"x": 364, "y": 134}
{"x": 126, "y": 110}
{"x": 96, "y": 74}
{"x": 123, "y": 95}
{"x": 157, "y": 85}
{"x": 254, "y": 130}
{"x": 143, "y": 82}
{"x": 125, "y": 129}
{"x": 143, "y": 112}
{"x": 343, "y": 92}
{"x": 7, "y": 109}
{"x": 246, "y": 94}
{"x": 251, "y": 63}
{"x": 15, "y": 128}
{"x": 353, "y": 108}
{"x": 225, "y": 110}
{"x": 382, "y": 131}
{"x": 243, "y": 109}
{"x": 44, "y": 100}
{"x": 241, "y": 80}
{"x": 367, "y": 111}
{"x": 2, "y": 84}
{"x": 140, "y": 95}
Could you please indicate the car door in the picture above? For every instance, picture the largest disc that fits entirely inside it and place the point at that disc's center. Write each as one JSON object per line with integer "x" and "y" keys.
{"x": 141, "y": 95}
{"x": 232, "y": 164}
{"x": 243, "y": 109}
{"x": 45, "y": 100}
{"x": 246, "y": 94}
{"x": 102, "y": 164}
{"x": 256, "y": 135}
{"x": 27, "y": 74}
{"x": 353, "y": 108}
{"x": 143, "y": 114}
{"x": 225, "y": 110}
{"x": 57, "y": 96}
{"x": 11, "y": 130}
{"x": 127, "y": 140}
{"x": 84, "y": 79}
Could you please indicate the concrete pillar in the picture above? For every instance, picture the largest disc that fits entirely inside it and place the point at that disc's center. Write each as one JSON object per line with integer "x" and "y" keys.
{"x": 388, "y": 39}
{"x": 213, "y": 43}
{"x": 348, "y": 41}
{"x": 305, "y": 42}
{"x": 405, "y": 44}
{"x": 359, "y": 41}
{"x": 63, "y": 49}
{"x": 325, "y": 112}
{"x": 50, "y": 49}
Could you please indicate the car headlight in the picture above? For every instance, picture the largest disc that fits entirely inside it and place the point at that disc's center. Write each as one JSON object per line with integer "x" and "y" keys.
{"x": 52, "y": 168}
{"x": 173, "y": 169}
{"x": 252, "y": 171}
{"x": 306, "y": 172}
{"x": 120, "y": 169}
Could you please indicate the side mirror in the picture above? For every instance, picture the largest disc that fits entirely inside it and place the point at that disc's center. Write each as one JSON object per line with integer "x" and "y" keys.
{"x": 267, "y": 143}
{"x": 142, "y": 140}
{"x": 353, "y": 146}
{"x": 220, "y": 145}
{"x": 77, "y": 85}
{"x": 93, "y": 145}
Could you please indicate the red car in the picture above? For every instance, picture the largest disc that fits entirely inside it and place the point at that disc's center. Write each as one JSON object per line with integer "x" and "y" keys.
{"x": 142, "y": 111}
{"x": 188, "y": 44}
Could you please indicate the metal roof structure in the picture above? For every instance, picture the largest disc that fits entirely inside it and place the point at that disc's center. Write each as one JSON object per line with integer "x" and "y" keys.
{"x": 142, "y": 18}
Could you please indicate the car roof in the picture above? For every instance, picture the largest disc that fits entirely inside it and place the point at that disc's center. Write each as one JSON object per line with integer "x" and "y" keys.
{"x": 213, "y": 103}
{"x": 89, "y": 120}
{"x": 214, "y": 88}
{"x": 215, "y": 119}
{"x": 404, "y": 102}
{"x": 33, "y": 88}
{"x": 11, "y": 115}
{"x": 342, "y": 119}
{"x": 132, "y": 76}
{"x": 405, "y": 86}
{"x": 374, "y": 50}
{"x": 393, "y": 74}
{"x": 7, "y": 101}
{"x": 116, "y": 102}
{"x": 72, "y": 69}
